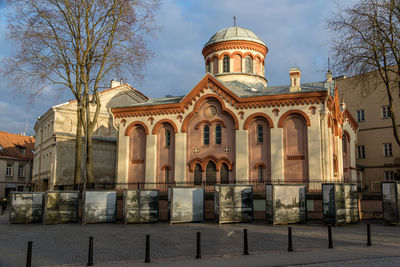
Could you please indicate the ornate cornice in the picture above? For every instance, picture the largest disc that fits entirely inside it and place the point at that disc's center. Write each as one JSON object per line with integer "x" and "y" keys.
{"x": 234, "y": 45}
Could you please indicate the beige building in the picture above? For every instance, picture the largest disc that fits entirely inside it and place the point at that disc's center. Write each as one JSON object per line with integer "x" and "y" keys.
{"x": 377, "y": 153}
{"x": 55, "y": 130}
{"x": 16, "y": 156}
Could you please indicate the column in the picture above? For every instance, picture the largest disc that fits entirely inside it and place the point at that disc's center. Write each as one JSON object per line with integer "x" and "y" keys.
{"x": 242, "y": 155}
{"x": 151, "y": 161}
{"x": 180, "y": 157}
{"x": 276, "y": 154}
{"x": 314, "y": 149}
{"x": 122, "y": 157}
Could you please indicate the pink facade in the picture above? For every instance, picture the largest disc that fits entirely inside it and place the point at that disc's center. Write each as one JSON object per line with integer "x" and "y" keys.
{"x": 165, "y": 153}
{"x": 211, "y": 143}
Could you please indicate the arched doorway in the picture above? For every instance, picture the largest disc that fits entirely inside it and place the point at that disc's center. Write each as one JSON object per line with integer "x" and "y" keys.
{"x": 224, "y": 174}
{"x": 211, "y": 173}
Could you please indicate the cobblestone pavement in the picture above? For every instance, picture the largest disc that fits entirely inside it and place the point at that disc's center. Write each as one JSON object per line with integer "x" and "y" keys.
{"x": 68, "y": 243}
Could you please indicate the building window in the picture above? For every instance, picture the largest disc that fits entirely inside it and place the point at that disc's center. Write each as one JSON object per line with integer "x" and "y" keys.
{"x": 21, "y": 170}
{"x": 360, "y": 115}
{"x": 260, "y": 135}
{"x": 218, "y": 134}
{"x": 360, "y": 152}
{"x": 167, "y": 175}
{"x": 387, "y": 150}
{"x": 226, "y": 64}
{"x": 248, "y": 64}
{"x": 167, "y": 139}
{"x": 385, "y": 112}
{"x": 206, "y": 135}
{"x": 22, "y": 150}
{"x": 388, "y": 175}
{"x": 260, "y": 174}
{"x": 9, "y": 169}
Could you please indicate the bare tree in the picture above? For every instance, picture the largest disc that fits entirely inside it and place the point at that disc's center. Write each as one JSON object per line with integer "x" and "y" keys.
{"x": 366, "y": 41}
{"x": 78, "y": 45}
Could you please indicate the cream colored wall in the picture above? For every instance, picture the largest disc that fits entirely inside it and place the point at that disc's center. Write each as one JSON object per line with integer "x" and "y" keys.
{"x": 375, "y": 130}
{"x": 242, "y": 156}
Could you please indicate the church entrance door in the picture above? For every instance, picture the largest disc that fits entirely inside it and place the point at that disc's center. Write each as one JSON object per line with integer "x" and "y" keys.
{"x": 224, "y": 174}
{"x": 197, "y": 175}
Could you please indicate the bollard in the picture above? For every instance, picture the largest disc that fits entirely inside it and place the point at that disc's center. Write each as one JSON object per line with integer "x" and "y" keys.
{"x": 330, "y": 236}
{"x": 246, "y": 245}
{"x": 369, "y": 243}
{"x": 29, "y": 256}
{"x": 90, "y": 257}
{"x": 290, "y": 244}
{"x": 198, "y": 250}
{"x": 147, "y": 258}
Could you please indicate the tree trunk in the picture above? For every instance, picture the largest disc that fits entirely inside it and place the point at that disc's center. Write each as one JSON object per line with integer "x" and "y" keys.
{"x": 89, "y": 160}
{"x": 78, "y": 150}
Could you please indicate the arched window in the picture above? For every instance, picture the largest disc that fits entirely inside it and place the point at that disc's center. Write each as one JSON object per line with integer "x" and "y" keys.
{"x": 226, "y": 64}
{"x": 167, "y": 138}
{"x": 260, "y": 174}
{"x": 248, "y": 64}
{"x": 167, "y": 175}
{"x": 206, "y": 135}
{"x": 218, "y": 134}
{"x": 260, "y": 134}
{"x": 197, "y": 175}
{"x": 211, "y": 173}
{"x": 224, "y": 174}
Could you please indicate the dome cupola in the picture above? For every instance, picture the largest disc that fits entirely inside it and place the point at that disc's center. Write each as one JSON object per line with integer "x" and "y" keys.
{"x": 236, "y": 54}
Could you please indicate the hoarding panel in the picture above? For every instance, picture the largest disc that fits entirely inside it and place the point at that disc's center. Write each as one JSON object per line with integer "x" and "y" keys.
{"x": 100, "y": 206}
{"x": 26, "y": 207}
{"x": 61, "y": 207}
{"x": 389, "y": 202}
{"x": 235, "y": 203}
{"x": 351, "y": 203}
{"x": 187, "y": 204}
{"x": 149, "y": 205}
{"x": 289, "y": 204}
{"x": 340, "y": 204}
{"x": 328, "y": 202}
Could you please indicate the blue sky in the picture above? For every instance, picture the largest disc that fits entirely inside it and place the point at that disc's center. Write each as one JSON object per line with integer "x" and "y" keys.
{"x": 295, "y": 32}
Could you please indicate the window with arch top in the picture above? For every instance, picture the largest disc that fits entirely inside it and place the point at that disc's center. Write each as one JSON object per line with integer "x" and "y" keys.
{"x": 248, "y": 64}
{"x": 260, "y": 134}
{"x": 206, "y": 135}
{"x": 226, "y": 63}
{"x": 167, "y": 139}
{"x": 218, "y": 134}
{"x": 260, "y": 174}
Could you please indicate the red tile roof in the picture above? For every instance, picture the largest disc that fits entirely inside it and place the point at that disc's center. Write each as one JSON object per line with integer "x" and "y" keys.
{"x": 10, "y": 145}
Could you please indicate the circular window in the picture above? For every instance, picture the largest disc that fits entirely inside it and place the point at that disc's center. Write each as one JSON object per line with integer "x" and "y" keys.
{"x": 210, "y": 111}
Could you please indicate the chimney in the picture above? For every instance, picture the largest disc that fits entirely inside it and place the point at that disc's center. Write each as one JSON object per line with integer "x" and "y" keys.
{"x": 114, "y": 83}
{"x": 329, "y": 77}
{"x": 294, "y": 74}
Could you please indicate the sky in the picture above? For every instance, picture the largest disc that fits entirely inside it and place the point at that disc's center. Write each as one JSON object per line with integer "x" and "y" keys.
{"x": 294, "y": 31}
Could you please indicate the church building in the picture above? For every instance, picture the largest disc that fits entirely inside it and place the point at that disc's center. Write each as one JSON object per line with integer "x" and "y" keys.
{"x": 234, "y": 128}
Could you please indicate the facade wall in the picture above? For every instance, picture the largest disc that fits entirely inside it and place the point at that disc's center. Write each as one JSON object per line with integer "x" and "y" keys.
{"x": 369, "y": 95}
{"x": 14, "y": 182}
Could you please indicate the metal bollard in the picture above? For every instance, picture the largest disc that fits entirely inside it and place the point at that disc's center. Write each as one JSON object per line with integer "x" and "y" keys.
{"x": 246, "y": 245}
{"x": 198, "y": 250}
{"x": 90, "y": 257}
{"x": 369, "y": 242}
{"x": 290, "y": 244}
{"x": 147, "y": 258}
{"x": 330, "y": 236}
{"x": 29, "y": 255}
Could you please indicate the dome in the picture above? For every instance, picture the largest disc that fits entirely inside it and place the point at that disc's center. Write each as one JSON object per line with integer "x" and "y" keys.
{"x": 234, "y": 33}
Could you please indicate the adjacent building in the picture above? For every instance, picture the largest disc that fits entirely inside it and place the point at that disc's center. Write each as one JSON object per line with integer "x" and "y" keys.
{"x": 16, "y": 157}
{"x": 55, "y": 130}
{"x": 377, "y": 152}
